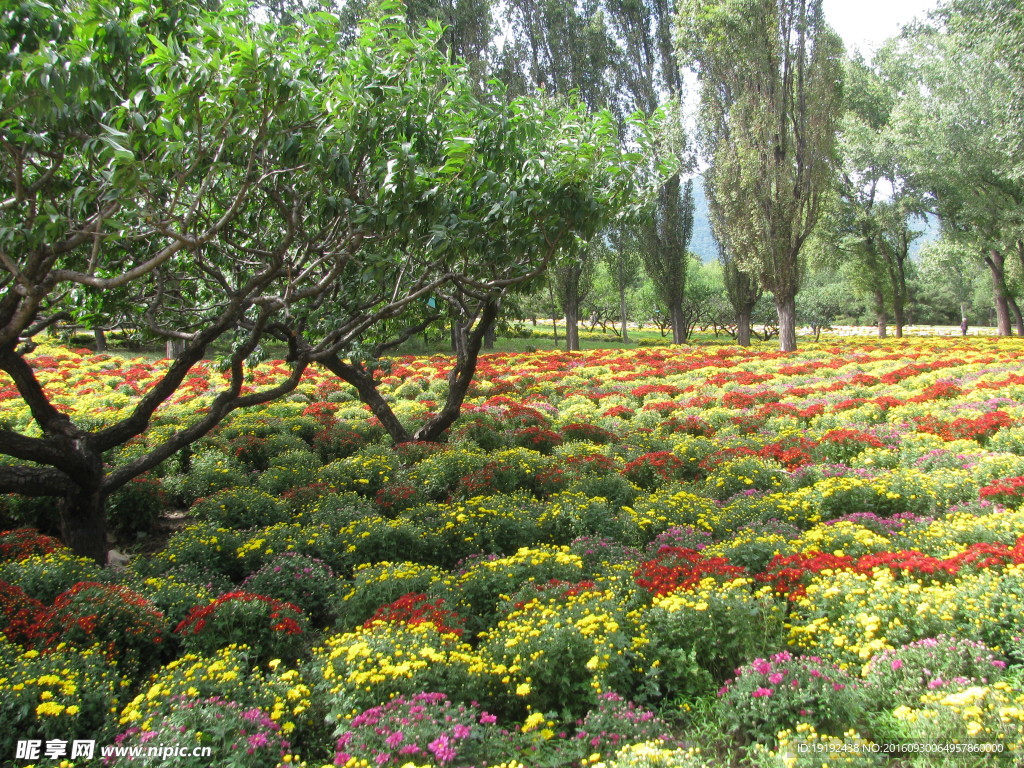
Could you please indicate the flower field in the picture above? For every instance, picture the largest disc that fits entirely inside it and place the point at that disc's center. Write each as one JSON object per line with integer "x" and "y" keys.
{"x": 679, "y": 557}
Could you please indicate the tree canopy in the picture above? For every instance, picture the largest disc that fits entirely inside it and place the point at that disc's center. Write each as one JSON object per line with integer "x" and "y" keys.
{"x": 214, "y": 178}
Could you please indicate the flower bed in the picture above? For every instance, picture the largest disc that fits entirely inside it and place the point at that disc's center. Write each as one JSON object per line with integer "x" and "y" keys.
{"x": 606, "y": 540}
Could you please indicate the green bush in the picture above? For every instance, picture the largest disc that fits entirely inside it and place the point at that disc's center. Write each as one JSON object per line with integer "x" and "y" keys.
{"x": 240, "y": 508}
{"x": 209, "y": 471}
{"x": 133, "y": 509}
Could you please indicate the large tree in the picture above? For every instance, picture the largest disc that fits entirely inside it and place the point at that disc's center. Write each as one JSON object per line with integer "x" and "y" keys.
{"x": 872, "y": 223}
{"x": 959, "y": 121}
{"x": 215, "y": 179}
{"x": 770, "y": 77}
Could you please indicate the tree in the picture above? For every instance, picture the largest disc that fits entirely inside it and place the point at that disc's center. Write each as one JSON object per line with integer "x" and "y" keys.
{"x": 955, "y": 121}
{"x": 743, "y": 292}
{"x": 564, "y": 50}
{"x": 215, "y": 178}
{"x": 871, "y": 223}
{"x": 622, "y": 260}
{"x": 649, "y": 79}
{"x": 770, "y": 75}
{"x": 664, "y": 254}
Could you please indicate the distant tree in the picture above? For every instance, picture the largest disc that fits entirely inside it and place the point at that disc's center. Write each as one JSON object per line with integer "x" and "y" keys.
{"x": 664, "y": 253}
{"x": 872, "y": 222}
{"x": 743, "y": 291}
{"x": 770, "y": 77}
{"x": 623, "y": 262}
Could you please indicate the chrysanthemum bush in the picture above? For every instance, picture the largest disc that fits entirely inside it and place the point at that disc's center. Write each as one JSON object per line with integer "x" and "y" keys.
{"x": 693, "y": 639}
{"x": 303, "y": 581}
{"x": 237, "y": 736}
{"x": 66, "y": 693}
{"x": 357, "y": 670}
{"x": 273, "y": 628}
{"x": 614, "y": 723}
{"x": 564, "y": 648}
{"x": 427, "y": 729}
{"x": 46, "y": 576}
{"x": 944, "y": 662}
{"x": 770, "y": 695}
{"x": 240, "y": 508}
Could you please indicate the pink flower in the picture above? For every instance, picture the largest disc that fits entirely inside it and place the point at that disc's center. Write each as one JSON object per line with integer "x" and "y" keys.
{"x": 762, "y": 692}
{"x": 896, "y": 664}
{"x": 461, "y": 731}
{"x": 486, "y": 718}
{"x": 775, "y": 678}
{"x": 394, "y": 739}
{"x": 762, "y": 667}
{"x": 442, "y": 749}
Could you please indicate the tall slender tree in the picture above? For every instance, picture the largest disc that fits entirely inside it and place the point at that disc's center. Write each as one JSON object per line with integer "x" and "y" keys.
{"x": 770, "y": 73}
{"x": 664, "y": 254}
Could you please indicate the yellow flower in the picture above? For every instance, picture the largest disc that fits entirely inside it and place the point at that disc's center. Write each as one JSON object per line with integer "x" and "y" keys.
{"x": 523, "y": 689}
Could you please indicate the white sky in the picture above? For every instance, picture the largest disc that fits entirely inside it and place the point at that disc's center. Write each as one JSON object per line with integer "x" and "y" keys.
{"x": 864, "y": 24}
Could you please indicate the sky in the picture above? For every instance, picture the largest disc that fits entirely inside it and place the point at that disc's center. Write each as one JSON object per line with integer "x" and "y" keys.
{"x": 865, "y": 24}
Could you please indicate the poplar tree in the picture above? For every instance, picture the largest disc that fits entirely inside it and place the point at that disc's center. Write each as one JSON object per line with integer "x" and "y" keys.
{"x": 770, "y": 76}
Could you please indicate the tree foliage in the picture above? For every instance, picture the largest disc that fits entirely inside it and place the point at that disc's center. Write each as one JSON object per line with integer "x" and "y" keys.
{"x": 770, "y": 75}
{"x": 211, "y": 177}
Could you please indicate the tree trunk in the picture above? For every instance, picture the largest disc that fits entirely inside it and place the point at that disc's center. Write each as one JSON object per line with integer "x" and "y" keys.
{"x": 572, "y": 324}
{"x": 623, "y": 314}
{"x": 1017, "y": 318}
{"x": 994, "y": 261}
{"x": 898, "y": 319}
{"x": 490, "y": 336}
{"x": 678, "y": 321}
{"x": 83, "y": 525}
{"x": 881, "y": 316}
{"x": 174, "y": 348}
{"x": 743, "y": 328}
{"x": 785, "y": 307}
{"x": 366, "y": 389}
{"x": 101, "y": 339}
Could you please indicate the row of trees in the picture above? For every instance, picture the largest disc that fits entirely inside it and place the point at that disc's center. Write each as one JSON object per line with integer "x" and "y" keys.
{"x": 221, "y": 174}
{"x": 821, "y": 166}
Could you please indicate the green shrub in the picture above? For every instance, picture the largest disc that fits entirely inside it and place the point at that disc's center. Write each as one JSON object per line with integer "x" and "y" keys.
{"x": 240, "y": 508}
{"x": 133, "y": 509}
{"x": 209, "y": 471}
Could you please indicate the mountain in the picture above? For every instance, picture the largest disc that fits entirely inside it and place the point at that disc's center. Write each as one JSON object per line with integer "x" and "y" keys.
{"x": 703, "y": 242}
